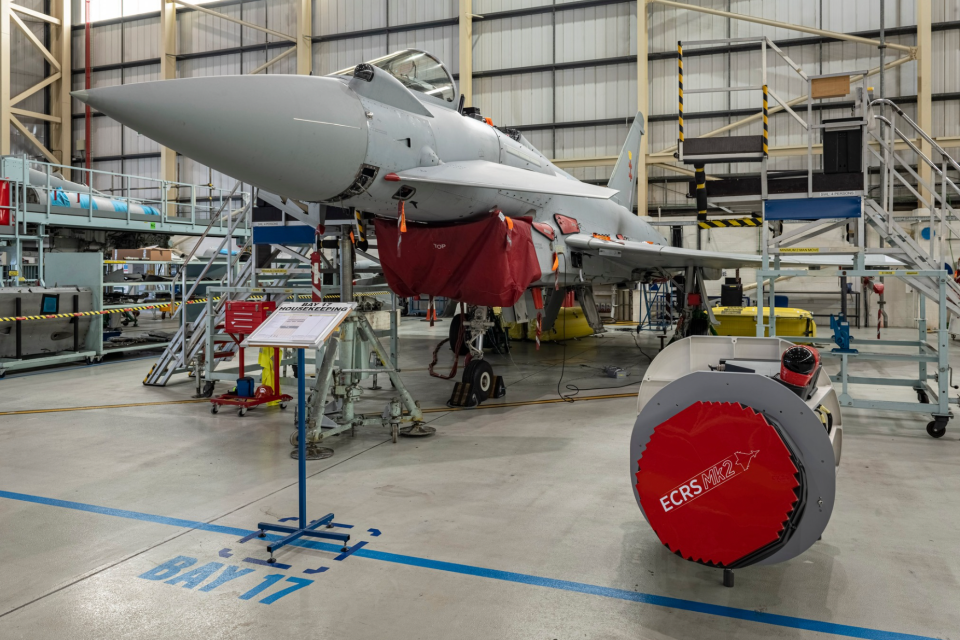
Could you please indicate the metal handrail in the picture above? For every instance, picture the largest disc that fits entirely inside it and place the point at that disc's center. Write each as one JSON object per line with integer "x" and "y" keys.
{"x": 919, "y": 153}
{"x": 196, "y": 207}
{"x": 889, "y": 160}
{"x": 923, "y": 183}
{"x": 917, "y": 128}
{"x": 186, "y": 296}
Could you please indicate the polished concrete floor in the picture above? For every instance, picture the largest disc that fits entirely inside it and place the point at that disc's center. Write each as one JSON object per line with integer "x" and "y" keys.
{"x": 513, "y": 522}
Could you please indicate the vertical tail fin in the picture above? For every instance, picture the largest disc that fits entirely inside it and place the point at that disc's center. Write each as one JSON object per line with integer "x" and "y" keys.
{"x": 624, "y": 176}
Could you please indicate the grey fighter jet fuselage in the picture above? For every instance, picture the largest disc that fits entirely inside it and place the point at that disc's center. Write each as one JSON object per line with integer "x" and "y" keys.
{"x": 368, "y": 137}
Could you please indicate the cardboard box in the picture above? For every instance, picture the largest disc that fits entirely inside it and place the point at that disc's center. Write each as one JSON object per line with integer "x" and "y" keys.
{"x": 833, "y": 87}
{"x": 154, "y": 254}
{"x": 127, "y": 254}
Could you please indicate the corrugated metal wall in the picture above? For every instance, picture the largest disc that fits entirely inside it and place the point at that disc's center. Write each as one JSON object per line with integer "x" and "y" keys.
{"x": 563, "y": 75}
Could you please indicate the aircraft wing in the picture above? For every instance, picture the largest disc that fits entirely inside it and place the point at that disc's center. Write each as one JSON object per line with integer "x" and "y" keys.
{"x": 490, "y": 175}
{"x": 642, "y": 254}
{"x": 645, "y": 255}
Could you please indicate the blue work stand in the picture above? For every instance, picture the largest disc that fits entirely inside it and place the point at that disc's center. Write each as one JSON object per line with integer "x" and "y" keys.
{"x": 306, "y": 529}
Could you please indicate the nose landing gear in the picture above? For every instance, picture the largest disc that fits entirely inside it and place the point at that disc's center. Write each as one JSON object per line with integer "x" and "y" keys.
{"x": 478, "y": 382}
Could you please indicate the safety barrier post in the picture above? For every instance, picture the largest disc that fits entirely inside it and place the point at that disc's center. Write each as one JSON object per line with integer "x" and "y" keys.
{"x": 680, "y": 86}
{"x": 19, "y": 343}
{"x": 76, "y": 323}
{"x": 766, "y": 134}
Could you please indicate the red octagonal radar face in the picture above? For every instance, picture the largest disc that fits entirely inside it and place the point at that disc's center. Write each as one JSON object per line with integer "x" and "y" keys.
{"x": 716, "y": 482}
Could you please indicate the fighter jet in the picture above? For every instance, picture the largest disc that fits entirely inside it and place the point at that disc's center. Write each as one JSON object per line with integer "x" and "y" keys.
{"x": 473, "y": 212}
{"x": 463, "y": 209}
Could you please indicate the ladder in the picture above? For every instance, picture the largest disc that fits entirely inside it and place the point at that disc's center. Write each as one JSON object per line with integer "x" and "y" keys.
{"x": 187, "y": 345}
{"x": 933, "y": 194}
{"x": 189, "y": 341}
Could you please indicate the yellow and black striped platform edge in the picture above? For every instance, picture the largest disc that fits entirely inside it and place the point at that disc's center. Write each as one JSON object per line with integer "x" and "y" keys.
{"x": 731, "y": 222}
{"x": 680, "y": 86}
{"x": 140, "y": 307}
{"x": 701, "y": 175}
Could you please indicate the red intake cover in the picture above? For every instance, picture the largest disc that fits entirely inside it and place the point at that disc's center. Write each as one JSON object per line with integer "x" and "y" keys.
{"x": 483, "y": 263}
{"x": 567, "y": 224}
{"x": 545, "y": 229}
{"x": 716, "y": 482}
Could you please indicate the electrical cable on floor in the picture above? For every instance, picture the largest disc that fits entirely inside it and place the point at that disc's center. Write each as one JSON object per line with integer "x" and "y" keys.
{"x": 574, "y": 389}
{"x": 645, "y": 355}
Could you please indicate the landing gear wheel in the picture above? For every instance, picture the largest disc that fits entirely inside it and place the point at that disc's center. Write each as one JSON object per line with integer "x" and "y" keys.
{"x": 242, "y": 411}
{"x": 283, "y": 405}
{"x": 936, "y": 428}
{"x": 455, "y": 335}
{"x": 395, "y": 431}
{"x": 214, "y": 409}
{"x": 922, "y": 397}
{"x": 479, "y": 375}
{"x": 94, "y": 359}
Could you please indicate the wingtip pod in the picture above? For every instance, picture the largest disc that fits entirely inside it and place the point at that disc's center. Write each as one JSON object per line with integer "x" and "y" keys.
{"x": 270, "y": 131}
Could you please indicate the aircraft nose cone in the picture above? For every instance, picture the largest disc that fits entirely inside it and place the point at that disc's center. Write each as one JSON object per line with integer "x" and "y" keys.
{"x": 297, "y": 136}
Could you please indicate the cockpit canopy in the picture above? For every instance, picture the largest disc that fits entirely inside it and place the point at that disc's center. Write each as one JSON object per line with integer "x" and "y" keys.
{"x": 418, "y": 71}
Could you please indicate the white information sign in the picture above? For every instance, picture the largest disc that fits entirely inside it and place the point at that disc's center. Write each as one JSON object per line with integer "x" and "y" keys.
{"x": 300, "y": 325}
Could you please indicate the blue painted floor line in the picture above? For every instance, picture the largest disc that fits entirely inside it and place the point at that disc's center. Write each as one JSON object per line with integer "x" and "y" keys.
{"x": 791, "y": 622}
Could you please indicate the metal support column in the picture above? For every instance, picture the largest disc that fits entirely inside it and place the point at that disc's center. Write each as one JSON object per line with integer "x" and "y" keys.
{"x": 924, "y": 90}
{"x": 5, "y": 49}
{"x": 643, "y": 104}
{"x": 304, "y": 40}
{"x": 466, "y": 52}
{"x": 168, "y": 71}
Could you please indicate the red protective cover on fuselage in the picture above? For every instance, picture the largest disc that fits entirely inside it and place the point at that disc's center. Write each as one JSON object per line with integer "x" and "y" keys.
{"x": 472, "y": 262}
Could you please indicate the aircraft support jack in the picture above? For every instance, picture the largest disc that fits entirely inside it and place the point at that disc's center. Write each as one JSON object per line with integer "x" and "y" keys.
{"x": 341, "y": 371}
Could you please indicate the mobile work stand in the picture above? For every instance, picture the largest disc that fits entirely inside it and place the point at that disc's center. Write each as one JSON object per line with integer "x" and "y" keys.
{"x": 357, "y": 340}
{"x": 243, "y": 402}
{"x": 306, "y": 529}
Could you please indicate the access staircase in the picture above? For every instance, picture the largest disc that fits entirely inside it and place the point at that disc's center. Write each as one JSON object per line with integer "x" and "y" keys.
{"x": 933, "y": 193}
{"x": 800, "y": 207}
{"x": 186, "y": 349}
{"x": 878, "y": 131}
{"x": 189, "y": 342}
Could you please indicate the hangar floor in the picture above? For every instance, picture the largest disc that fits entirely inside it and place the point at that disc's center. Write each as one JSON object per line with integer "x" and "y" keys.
{"x": 511, "y": 522}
